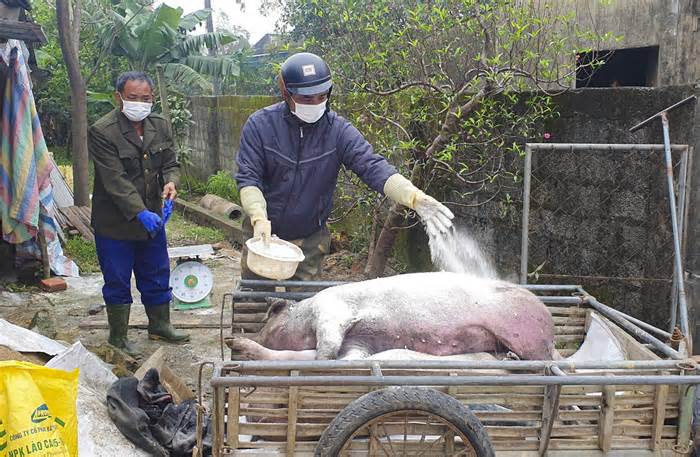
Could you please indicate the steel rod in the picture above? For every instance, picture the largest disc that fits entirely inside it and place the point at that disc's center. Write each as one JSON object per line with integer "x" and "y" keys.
{"x": 248, "y": 295}
{"x": 244, "y": 294}
{"x": 301, "y": 365}
{"x": 602, "y": 147}
{"x": 526, "y": 215}
{"x": 551, "y": 287}
{"x": 682, "y": 303}
{"x": 662, "y": 113}
{"x": 681, "y": 229}
{"x": 634, "y": 320}
{"x": 272, "y": 283}
{"x": 613, "y": 315}
{"x": 509, "y": 380}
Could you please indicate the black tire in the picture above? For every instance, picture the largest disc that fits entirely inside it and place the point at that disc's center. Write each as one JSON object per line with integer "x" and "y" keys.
{"x": 392, "y": 400}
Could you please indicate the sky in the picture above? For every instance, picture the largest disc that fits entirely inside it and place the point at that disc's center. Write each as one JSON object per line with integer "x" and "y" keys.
{"x": 250, "y": 18}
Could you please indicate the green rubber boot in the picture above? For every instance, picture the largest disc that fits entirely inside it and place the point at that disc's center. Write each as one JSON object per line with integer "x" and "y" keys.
{"x": 118, "y": 318}
{"x": 160, "y": 328}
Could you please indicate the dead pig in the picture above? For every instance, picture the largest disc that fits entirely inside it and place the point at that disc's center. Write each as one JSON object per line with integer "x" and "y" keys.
{"x": 433, "y": 313}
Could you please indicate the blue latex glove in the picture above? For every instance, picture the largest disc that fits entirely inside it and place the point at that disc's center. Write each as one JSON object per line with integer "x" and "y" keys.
{"x": 151, "y": 222}
{"x": 167, "y": 211}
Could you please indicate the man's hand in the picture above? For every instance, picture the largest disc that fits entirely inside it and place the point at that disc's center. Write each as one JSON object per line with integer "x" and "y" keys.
{"x": 150, "y": 221}
{"x": 169, "y": 191}
{"x": 436, "y": 216}
{"x": 262, "y": 229}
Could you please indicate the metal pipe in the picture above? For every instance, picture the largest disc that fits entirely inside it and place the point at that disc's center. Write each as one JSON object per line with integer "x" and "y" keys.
{"x": 245, "y": 283}
{"x": 241, "y": 366}
{"x": 661, "y": 113}
{"x": 681, "y": 230}
{"x": 602, "y": 147}
{"x": 686, "y": 407}
{"x": 633, "y": 329}
{"x": 261, "y": 296}
{"x": 561, "y": 300}
{"x": 558, "y": 371}
{"x": 526, "y": 215}
{"x": 551, "y": 287}
{"x": 272, "y": 283}
{"x": 682, "y": 303}
{"x": 634, "y": 320}
{"x": 510, "y": 380}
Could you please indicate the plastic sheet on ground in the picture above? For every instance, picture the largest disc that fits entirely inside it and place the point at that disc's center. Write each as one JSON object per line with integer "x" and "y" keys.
{"x": 22, "y": 340}
{"x": 97, "y": 434}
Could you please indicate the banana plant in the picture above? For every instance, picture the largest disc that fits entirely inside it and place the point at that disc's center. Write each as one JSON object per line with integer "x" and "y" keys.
{"x": 150, "y": 37}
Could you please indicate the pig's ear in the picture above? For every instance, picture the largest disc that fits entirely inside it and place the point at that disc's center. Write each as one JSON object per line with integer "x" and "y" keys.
{"x": 276, "y": 305}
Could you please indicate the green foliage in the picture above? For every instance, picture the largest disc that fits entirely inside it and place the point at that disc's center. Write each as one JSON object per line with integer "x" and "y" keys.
{"x": 52, "y": 89}
{"x": 447, "y": 90}
{"x": 223, "y": 185}
{"x": 83, "y": 253}
{"x": 147, "y": 37}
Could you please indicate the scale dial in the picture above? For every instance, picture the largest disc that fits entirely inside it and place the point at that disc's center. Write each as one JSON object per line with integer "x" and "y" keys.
{"x": 191, "y": 281}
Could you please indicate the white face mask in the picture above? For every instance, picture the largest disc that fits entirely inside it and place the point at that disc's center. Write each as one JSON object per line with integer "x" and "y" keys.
{"x": 136, "y": 111}
{"x": 310, "y": 113}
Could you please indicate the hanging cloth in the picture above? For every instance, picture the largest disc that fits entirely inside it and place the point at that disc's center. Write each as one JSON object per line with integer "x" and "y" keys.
{"x": 26, "y": 196}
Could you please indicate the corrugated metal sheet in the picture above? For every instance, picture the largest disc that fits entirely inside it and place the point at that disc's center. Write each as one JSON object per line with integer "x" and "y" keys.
{"x": 62, "y": 195}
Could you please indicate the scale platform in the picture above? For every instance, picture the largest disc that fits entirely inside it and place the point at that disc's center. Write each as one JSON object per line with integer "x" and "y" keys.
{"x": 191, "y": 281}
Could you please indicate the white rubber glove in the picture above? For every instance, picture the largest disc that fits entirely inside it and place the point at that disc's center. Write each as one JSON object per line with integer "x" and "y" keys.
{"x": 436, "y": 216}
{"x": 255, "y": 206}
{"x": 262, "y": 228}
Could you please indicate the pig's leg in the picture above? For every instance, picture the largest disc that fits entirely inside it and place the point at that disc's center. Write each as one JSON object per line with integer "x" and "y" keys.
{"x": 250, "y": 350}
{"x": 332, "y": 323}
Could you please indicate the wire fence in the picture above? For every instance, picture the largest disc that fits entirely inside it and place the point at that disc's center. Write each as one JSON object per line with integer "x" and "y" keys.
{"x": 599, "y": 216}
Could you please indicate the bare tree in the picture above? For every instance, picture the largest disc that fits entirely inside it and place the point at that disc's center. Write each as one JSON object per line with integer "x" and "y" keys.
{"x": 68, "y": 19}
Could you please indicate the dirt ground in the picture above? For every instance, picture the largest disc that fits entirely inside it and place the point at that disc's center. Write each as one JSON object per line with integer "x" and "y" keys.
{"x": 59, "y": 315}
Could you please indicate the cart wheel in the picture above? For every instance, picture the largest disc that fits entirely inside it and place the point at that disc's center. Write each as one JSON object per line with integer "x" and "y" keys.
{"x": 405, "y": 421}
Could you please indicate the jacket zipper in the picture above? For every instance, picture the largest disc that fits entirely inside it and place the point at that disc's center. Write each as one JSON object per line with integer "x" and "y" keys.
{"x": 296, "y": 170}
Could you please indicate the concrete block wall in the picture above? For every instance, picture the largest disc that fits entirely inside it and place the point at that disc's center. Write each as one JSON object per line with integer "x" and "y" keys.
{"x": 216, "y": 130}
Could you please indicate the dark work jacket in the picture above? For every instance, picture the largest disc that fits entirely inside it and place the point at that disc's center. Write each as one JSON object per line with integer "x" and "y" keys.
{"x": 296, "y": 166}
{"x": 129, "y": 173}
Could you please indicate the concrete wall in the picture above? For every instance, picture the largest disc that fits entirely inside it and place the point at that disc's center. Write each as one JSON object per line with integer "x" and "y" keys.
{"x": 215, "y": 132}
{"x": 672, "y": 25}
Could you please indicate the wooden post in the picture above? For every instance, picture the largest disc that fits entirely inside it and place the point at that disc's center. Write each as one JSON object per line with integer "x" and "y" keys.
{"x": 292, "y": 406}
{"x": 607, "y": 418}
{"x": 218, "y": 422}
{"x": 660, "y": 397}
{"x": 450, "y": 436}
{"x": 234, "y": 410}
{"x": 43, "y": 247}
{"x": 550, "y": 410}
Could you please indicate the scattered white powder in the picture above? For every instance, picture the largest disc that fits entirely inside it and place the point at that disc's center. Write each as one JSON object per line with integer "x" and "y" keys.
{"x": 457, "y": 252}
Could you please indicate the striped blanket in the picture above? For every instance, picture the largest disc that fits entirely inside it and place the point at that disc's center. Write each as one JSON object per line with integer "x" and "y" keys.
{"x": 25, "y": 168}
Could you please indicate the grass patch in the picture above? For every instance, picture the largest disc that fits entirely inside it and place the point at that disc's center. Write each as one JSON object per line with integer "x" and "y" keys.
{"x": 221, "y": 184}
{"x": 182, "y": 232}
{"x": 83, "y": 253}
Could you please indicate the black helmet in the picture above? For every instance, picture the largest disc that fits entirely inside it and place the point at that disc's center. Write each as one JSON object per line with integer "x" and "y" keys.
{"x": 306, "y": 74}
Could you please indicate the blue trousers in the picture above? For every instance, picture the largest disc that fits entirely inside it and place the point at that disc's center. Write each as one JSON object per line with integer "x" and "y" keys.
{"x": 147, "y": 259}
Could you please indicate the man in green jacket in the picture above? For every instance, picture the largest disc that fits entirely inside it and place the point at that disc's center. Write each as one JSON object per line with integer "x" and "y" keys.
{"x": 135, "y": 169}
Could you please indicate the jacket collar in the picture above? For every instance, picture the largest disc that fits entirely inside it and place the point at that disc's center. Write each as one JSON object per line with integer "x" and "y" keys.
{"x": 129, "y": 132}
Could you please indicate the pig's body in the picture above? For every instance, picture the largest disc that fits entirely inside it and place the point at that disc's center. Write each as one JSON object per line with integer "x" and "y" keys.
{"x": 433, "y": 313}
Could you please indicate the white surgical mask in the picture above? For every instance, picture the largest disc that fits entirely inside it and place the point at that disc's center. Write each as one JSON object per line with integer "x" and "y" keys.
{"x": 310, "y": 113}
{"x": 136, "y": 111}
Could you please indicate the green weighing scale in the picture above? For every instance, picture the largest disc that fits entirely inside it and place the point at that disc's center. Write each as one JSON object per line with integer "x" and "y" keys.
{"x": 191, "y": 281}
